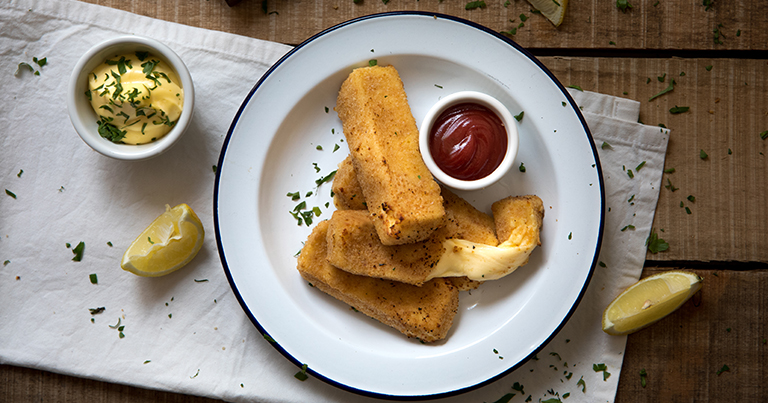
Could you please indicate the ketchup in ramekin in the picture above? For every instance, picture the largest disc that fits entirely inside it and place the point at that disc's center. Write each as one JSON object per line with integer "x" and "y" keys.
{"x": 468, "y": 141}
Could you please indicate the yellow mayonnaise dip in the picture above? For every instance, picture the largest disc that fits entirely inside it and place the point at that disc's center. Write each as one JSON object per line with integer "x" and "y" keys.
{"x": 138, "y": 98}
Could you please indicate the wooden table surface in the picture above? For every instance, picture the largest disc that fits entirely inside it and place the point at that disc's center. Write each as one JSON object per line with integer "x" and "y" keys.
{"x": 718, "y": 57}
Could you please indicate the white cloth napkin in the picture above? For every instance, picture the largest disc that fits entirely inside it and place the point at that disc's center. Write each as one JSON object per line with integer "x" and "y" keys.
{"x": 185, "y": 332}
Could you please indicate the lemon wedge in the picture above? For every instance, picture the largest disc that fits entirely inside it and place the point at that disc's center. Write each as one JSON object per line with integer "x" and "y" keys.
{"x": 554, "y": 10}
{"x": 169, "y": 243}
{"x": 649, "y": 300}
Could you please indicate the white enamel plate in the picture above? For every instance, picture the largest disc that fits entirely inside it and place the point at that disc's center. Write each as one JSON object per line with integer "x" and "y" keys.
{"x": 286, "y": 136}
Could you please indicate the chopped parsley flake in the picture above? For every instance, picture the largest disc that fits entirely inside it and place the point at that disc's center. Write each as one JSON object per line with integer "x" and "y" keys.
{"x": 723, "y": 369}
{"x": 522, "y": 167}
{"x": 94, "y": 279}
{"x": 372, "y": 62}
{"x": 702, "y": 154}
{"x": 678, "y": 109}
{"x": 605, "y": 145}
{"x": 474, "y": 4}
{"x": 643, "y": 376}
{"x": 78, "y": 251}
{"x": 623, "y": 5}
{"x": 582, "y": 384}
{"x": 21, "y": 171}
{"x": 656, "y": 244}
{"x": 664, "y": 91}
{"x": 95, "y": 311}
{"x": 302, "y": 375}
{"x": 576, "y": 87}
{"x": 602, "y": 367}
{"x": 519, "y": 117}
{"x": 325, "y": 179}
{"x": 9, "y": 193}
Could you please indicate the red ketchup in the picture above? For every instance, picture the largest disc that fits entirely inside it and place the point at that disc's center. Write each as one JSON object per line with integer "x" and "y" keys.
{"x": 468, "y": 141}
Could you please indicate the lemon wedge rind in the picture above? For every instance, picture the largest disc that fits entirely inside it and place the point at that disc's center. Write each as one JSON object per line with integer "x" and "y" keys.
{"x": 554, "y": 10}
{"x": 171, "y": 241}
{"x": 649, "y": 300}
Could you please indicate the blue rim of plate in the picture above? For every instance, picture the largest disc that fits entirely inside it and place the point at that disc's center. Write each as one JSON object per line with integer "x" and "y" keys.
{"x": 264, "y": 332}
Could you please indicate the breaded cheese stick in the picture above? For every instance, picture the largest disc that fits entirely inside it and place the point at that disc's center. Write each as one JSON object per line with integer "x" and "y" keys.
{"x": 401, "y": 196}
{"x": 353, "y": 245}
{"x": 425, "y": 312}
{"x": 518, "y": 224}
{"x": 347, "y": 193}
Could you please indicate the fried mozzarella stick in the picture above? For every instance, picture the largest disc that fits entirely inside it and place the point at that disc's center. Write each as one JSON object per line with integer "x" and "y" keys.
{"x": 353, "y": 245}
{"x": 401, "y": 196}
{"x": 518, "y": 223}
{"x": 424, "y": 312}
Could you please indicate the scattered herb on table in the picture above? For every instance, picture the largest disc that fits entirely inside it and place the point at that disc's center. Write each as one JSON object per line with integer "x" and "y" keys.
{"x": 522, "y": 167}
{"x": 602, "y": 367}
{"x": 605, "y": 145}
{"x": 372, "y": 62}
{"x": 723, "y": 369}
{"x": 519, "y": 117}
{"x": 570, "y": 235}
{"x": 21, "y": 171}
{"x": 669, "y": 170}
{"x": 202, "y": 280}
{"x": 474, "y": 4}
{"x": 702, "y": 154}
{"x": 576, "y": 87}
{"x": 601, "y": 264}
{"x": 195, "y": 375}
{"x": 78, "y": 251}
{"x": 9, "y": 193}
{"x": 764, "y": 135}
{"x": 670, "y": 186}
{"x": 623, "y": 5}
{"x": 630, "y": 174}
{"x": 717, "y": 34}
{"x": 582, "y": 384}
{"x": 626, "y": 227}
{"x": 214, "y": 168}
{"x": 643, "y": 376}
{"x": 302, "y": 375}
{"x": 656, "y": 244}
{"x": 662, "y": 78}
{"x": 640, "y": 166}
{"x": 691, "y": 198}
{"x": 678, "y": 109}
{"x": 664, "y": 91}
{"x": 6, "y": 263}
{"x": 94, "y": 279}
{"x": 98, "y": 310}
{"x": 709, "y": 68}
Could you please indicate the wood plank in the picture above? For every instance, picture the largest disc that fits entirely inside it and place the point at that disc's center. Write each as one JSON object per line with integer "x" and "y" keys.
{"x": 728, "y": 111}
{"x": 26, "y": 385}
{"x": 724, "y": 324}
{"x": 650, "y": 24}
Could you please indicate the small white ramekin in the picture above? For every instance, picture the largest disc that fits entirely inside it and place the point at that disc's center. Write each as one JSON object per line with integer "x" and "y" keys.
{"x": 84, "y": 118}
{"x": 478, "y": 98}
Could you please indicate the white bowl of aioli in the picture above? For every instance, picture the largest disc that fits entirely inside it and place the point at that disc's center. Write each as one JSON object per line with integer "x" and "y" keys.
{"x": 468, "y": 140}
{"x": 85, "y": 119}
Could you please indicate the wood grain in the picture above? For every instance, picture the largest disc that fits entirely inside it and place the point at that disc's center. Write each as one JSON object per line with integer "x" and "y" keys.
{"x": 728, "y": 111}
{"x": 594, "y": 24}
{"x": 721, "y": 325}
